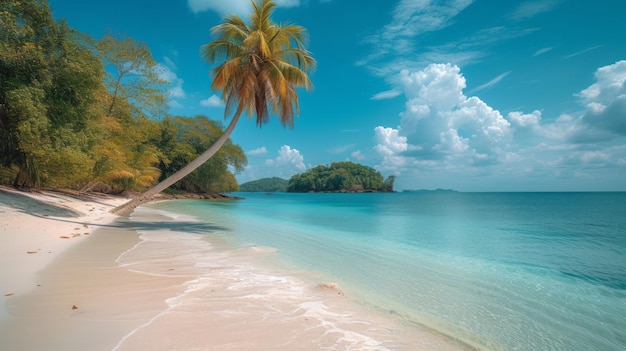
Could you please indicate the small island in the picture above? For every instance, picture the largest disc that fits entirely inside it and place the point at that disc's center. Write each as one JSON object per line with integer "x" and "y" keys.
{"x": 265, "y": 185}
{"x": 340, "y": 177}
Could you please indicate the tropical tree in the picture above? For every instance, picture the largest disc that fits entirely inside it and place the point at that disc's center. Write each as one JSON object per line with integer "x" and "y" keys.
{"x": 261, "y": 65}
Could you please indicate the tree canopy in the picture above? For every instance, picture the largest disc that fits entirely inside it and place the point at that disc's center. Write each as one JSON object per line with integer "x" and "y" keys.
{"x": 271, "y": 185}
{"x": 340, "y": 177}
{"x": 75, "y": 111}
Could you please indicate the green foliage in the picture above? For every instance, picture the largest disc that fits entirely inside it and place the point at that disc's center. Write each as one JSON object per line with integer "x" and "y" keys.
{"x": 183, "y": 139}
{"x": 48, "y": 82}
{"x": 340, "y": 176}
{"x": 132, "y": 76}
{"x": 74, "y": 111}
{"x": 273, "y": 184}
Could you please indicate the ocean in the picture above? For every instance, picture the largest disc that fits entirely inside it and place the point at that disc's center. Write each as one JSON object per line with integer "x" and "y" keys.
{"x": 487, "y": 271}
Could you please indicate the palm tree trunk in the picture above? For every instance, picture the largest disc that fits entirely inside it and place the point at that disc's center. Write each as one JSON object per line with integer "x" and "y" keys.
{"x": 128, "y": 207}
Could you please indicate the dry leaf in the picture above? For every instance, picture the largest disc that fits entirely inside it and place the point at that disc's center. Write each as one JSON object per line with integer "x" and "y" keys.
{"x": 9, "y": 294}
{"x": 74, "y": 307}
{"x": 64, "y": 237}
{"x": 31, "y": 252}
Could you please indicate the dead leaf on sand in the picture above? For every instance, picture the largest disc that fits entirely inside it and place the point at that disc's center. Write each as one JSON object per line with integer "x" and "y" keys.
{"x": 86, "y": 233}
{"x": 64, "y": 237}
{"x": 74, "y": 307}
{"x": 31, "y": 252}
{"x": 9, "y": 294}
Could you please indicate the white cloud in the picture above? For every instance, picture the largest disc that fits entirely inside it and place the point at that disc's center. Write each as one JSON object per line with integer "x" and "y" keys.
{"x": 390, "y": 145}
{"x": 213, "y": 101}
{"x": 530, "y": 9}
{"x": 440, "y": 123}
{"x": 524, "y": 121}
{"x": 491, "y": 83}
{"x": 584, "y": 51}
{"x": 238, "y": 7}
{"x": 341, "y": 149}
{"x": 610, "y": 83}
{"x": 357, "y": 155}
{"x": 176, "y": 84}
{"x": 289, "y": 161}
{"x": 410, "y": 19}
{"x": 257, "y": 152}
{"x": 388, "y": 94}
{"x": 542, "y": 51}
{"x": 443, "y": 133}
{"x": 223, "y": 8}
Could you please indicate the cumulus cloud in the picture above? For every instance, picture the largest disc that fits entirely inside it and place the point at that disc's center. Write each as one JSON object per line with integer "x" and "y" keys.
{"x": 212, "y": 101}
{"x": 390, "y": 145}
{"x": 288, "y": 162}
{"x": 605, "y": 100}
{"x": 524, "y": 121}
{"x": 443, "y": 131}
{"x": 440, "y": 123}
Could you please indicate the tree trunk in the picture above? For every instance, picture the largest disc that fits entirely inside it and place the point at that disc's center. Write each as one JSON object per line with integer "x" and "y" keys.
{"x": 128, "y": 207}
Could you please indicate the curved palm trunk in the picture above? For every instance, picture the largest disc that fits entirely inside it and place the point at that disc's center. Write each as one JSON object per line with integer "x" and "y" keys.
{"x": 128, "y": 207}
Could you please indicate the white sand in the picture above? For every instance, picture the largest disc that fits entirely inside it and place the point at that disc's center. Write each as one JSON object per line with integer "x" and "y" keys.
{"x": 73, "y": 294}
{"x": 35, "y": 228}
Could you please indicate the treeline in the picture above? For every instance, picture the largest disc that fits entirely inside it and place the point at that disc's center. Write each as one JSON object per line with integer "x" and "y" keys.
{"x": 76, "y": 112}
{"x": 340, "y": 176}
{"x": 270, "y": 185}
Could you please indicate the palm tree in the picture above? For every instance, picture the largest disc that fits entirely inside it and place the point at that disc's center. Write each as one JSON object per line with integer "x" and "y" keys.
{"x": 263, "y": 64}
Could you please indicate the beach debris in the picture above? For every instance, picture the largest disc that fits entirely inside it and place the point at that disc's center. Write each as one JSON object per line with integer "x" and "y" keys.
{"x": 9, "y": 294}
{"x": 75, "y": 235}
{"x": 86, "y": 233}
{"x": 74, "y": 307}
{"x": 64, "y": 237}
{"x": 31, "y": 252}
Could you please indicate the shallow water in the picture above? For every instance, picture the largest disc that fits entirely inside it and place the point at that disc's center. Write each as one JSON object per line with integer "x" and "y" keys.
{"x": 498, "y": 271}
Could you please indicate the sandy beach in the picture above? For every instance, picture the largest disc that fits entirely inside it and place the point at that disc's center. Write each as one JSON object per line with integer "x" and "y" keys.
{"x": 74, "y": 277}
{"x": 37, "y": 227}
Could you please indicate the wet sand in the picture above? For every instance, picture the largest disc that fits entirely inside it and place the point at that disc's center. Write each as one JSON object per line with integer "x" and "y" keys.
{"x": 155, "y": 283}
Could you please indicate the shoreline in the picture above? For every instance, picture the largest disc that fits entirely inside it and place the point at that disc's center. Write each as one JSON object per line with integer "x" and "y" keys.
{"x": 152, "y": 283}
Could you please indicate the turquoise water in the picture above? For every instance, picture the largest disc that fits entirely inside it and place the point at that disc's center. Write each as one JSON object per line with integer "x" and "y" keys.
{"x": 499, "y": 271}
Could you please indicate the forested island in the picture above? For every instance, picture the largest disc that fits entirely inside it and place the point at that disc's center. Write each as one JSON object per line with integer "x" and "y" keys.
{"x": 267, "y": 185}
{"x": 341, "y": 177}
{"x": 82, "y": 113}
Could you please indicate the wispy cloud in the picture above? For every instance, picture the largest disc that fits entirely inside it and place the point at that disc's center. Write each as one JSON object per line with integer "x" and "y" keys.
{"x": 388, "y": 94}
{"x": 257, "y": 152}
{"x": 341, "y": 149}
{"x": 410, "y": 19}
{"x": 533, "y": 8}
{"x": 582, "y": 52}
{"x": 542, "y": 51}
{"x": 491, "y": 83}
{"x": 238, "y": 7}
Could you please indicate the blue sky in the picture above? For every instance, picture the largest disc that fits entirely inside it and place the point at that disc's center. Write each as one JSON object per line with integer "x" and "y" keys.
{"x": 483, "y": 95}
